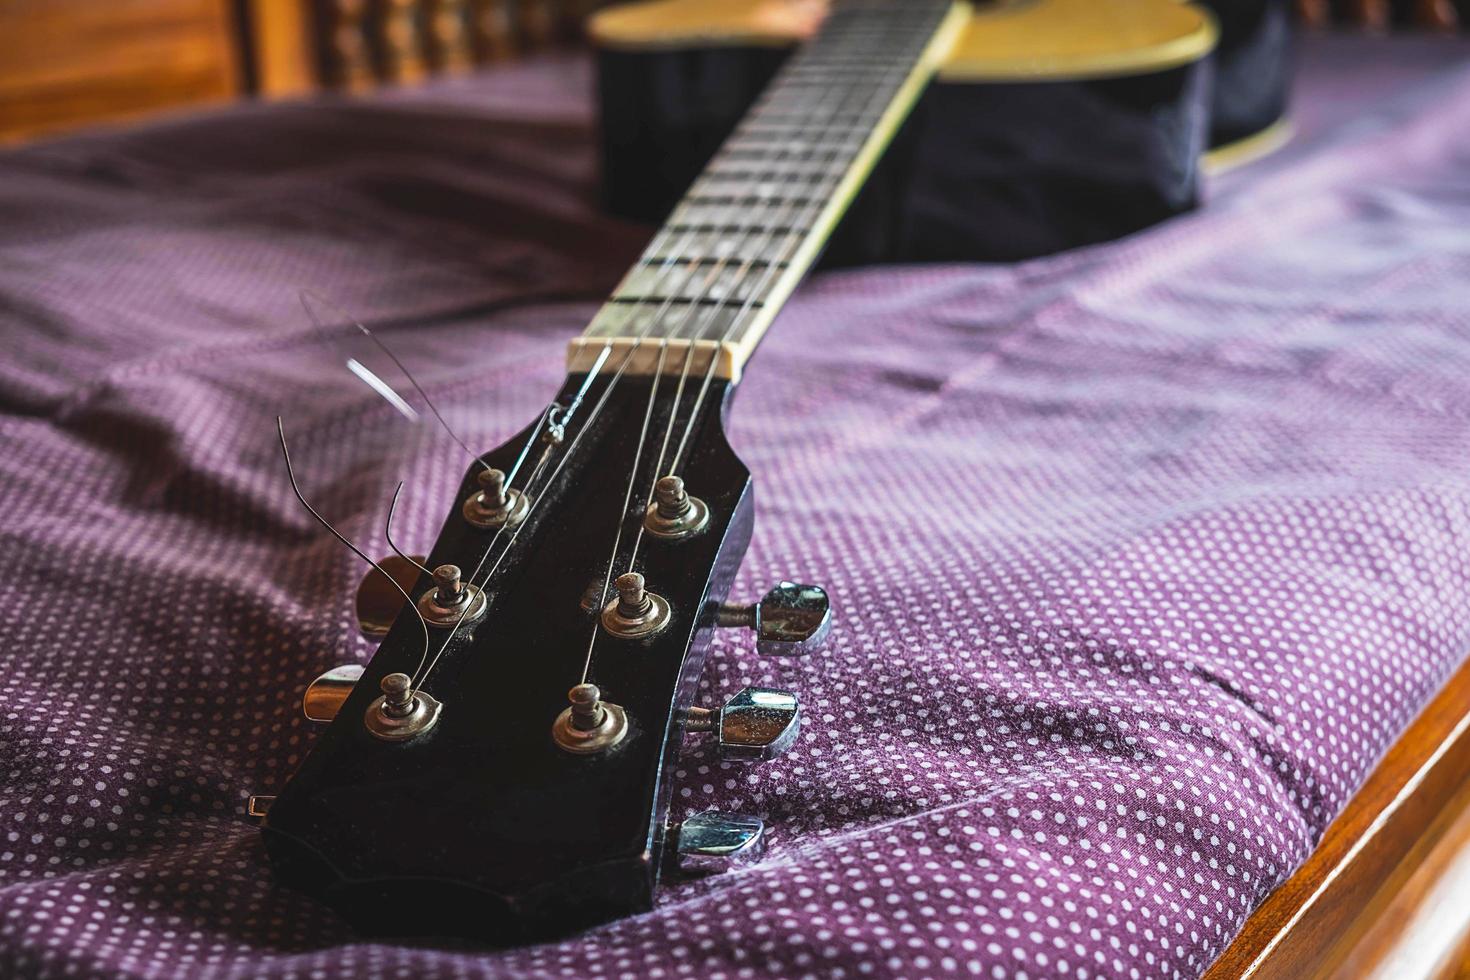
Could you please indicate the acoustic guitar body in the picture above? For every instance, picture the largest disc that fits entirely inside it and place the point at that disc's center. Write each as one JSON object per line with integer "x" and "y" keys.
{"x": 1052, "y": 124}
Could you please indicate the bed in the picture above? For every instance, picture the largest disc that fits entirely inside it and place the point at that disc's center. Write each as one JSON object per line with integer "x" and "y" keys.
{"x": 1193, "y": 555}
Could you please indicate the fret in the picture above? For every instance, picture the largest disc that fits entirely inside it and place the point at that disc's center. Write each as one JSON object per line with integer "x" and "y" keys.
{"x": 767, "y": 184}
{"x": 732, "y": 228}
{"x": 798, "y": 112}
{"x": 752, "y": 223}
{"x": 797, "y": 82}
{"x": 755, "y": 153}
{"x": 731, "y": 282}
{"x": 769, "y": 189}
{"x": 763, "y": 130}
{"x": 670, "y": 305}
{"x": 756, "y": 198}
{"x": 795, "y": 97}
{"x": 806, "y": 116}
{"x": 808, "y": 140}
{"x": 832, "y": 149}
{"x": 767, "y": 243}
{"x": 861, "y": 75}
{"x": 695, "y": 213}
{"x": 799, "y": 171}
{"x": 760, "y": 258}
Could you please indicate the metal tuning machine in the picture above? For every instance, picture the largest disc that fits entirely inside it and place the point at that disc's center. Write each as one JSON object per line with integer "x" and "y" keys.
{"x": 378, "y": 600}
{"x": 791, "y": 621}
{"x": 464, "y": 744}
{"x": 713, "y": 841}
{"x": 325, "y": 696}
{"x": 757, "y": 724}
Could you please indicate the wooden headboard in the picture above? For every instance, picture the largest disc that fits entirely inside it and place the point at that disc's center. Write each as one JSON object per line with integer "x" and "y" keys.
{"x": 292, "y": 44}
{"x": 70, "y": 63}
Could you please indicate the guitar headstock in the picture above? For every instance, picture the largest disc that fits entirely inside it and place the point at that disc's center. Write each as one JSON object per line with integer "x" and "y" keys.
{"x": 514, "y": 777}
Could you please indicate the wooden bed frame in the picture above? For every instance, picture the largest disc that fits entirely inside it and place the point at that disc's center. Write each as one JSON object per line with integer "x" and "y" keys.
{"x": 1386, "y": 892}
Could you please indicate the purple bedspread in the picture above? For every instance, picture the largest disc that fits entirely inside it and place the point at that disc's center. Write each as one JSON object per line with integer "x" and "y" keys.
{"x": 1143, "y": 554}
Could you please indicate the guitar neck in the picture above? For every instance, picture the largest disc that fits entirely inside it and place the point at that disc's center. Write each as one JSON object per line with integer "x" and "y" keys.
{"x": 706, "y": 289}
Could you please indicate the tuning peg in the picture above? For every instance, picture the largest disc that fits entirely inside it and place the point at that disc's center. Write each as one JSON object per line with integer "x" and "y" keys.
{"x": 791, "y": 621}
{"x": 757, "y": 724}
{"x": 325, "y": 695}
{"x": 378, "y": 602}
{"x": 714, "y": 841}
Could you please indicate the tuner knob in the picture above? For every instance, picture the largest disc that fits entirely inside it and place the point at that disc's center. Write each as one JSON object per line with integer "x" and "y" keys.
{"x": 791, "y": 621}
{"x": 755, "y": 725}
{"x": 378, "y": 602}
{"x": 325, "y": 695}
{"x": 714, "y": 841}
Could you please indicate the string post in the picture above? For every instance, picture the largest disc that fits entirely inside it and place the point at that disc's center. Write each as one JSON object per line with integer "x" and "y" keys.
{"x": 495, "y": 505}
{"x": 448, "y": 589}
{"x": 492, "y": 489}
{"x": 671, "y": 499}
{"x": 633, "y": 600}
{"x": 452, "y": 601}
{"x": 636, "y": 612}
{"x": 397, "y": 695}
{"x": 590, "y": 724}
{"x": 401, "y": 712}
{"x": 674, "y": 513}
{"x": 587, "y": 710}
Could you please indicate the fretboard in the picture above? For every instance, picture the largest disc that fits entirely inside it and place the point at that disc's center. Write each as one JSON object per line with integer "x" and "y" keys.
{"x": 753, "y": 222}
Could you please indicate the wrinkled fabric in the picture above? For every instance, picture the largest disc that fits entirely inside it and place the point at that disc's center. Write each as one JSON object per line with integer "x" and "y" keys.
{"x": 1142, "y": 554}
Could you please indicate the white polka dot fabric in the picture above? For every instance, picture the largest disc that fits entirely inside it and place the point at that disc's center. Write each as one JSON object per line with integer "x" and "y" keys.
{"x": 1142, "y": 554}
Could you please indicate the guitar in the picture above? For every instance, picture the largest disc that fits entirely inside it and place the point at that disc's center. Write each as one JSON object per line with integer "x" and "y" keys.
{"x": 1050, "y": 124}
{"x": 502, "y": 768}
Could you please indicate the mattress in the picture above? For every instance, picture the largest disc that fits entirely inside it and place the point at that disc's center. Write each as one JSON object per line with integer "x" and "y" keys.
{"x": 1142, "y": 554}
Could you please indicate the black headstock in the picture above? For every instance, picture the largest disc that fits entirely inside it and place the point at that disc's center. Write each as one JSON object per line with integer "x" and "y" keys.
{"x": 487, "y": 823}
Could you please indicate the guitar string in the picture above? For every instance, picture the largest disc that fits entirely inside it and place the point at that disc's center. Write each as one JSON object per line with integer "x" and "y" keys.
{"x": 874, "y": 92}
{"x": 669, "y": 261}
{"x": 304, "y": 296}
{"x": 726, "y": 250}
{"x": 535, "y": 503}
{"x": 921, "y": 39}
{"x": 388, "y": 534}
{"x": 296, "y": 488}
{"x": 663, "y": 351}
{"x": 421, "y": 673}
{"x": 740, "y": 279}
{"x": 536, "y": 499}
{"x": 653, "y": 321}
{"x": 551, "y": 416}
{"x": 560, "y": 420}
{"x": 387, "y": 351}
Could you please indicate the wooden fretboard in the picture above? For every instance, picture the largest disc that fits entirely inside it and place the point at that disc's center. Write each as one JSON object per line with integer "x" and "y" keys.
{"x": 753, "y": 222}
